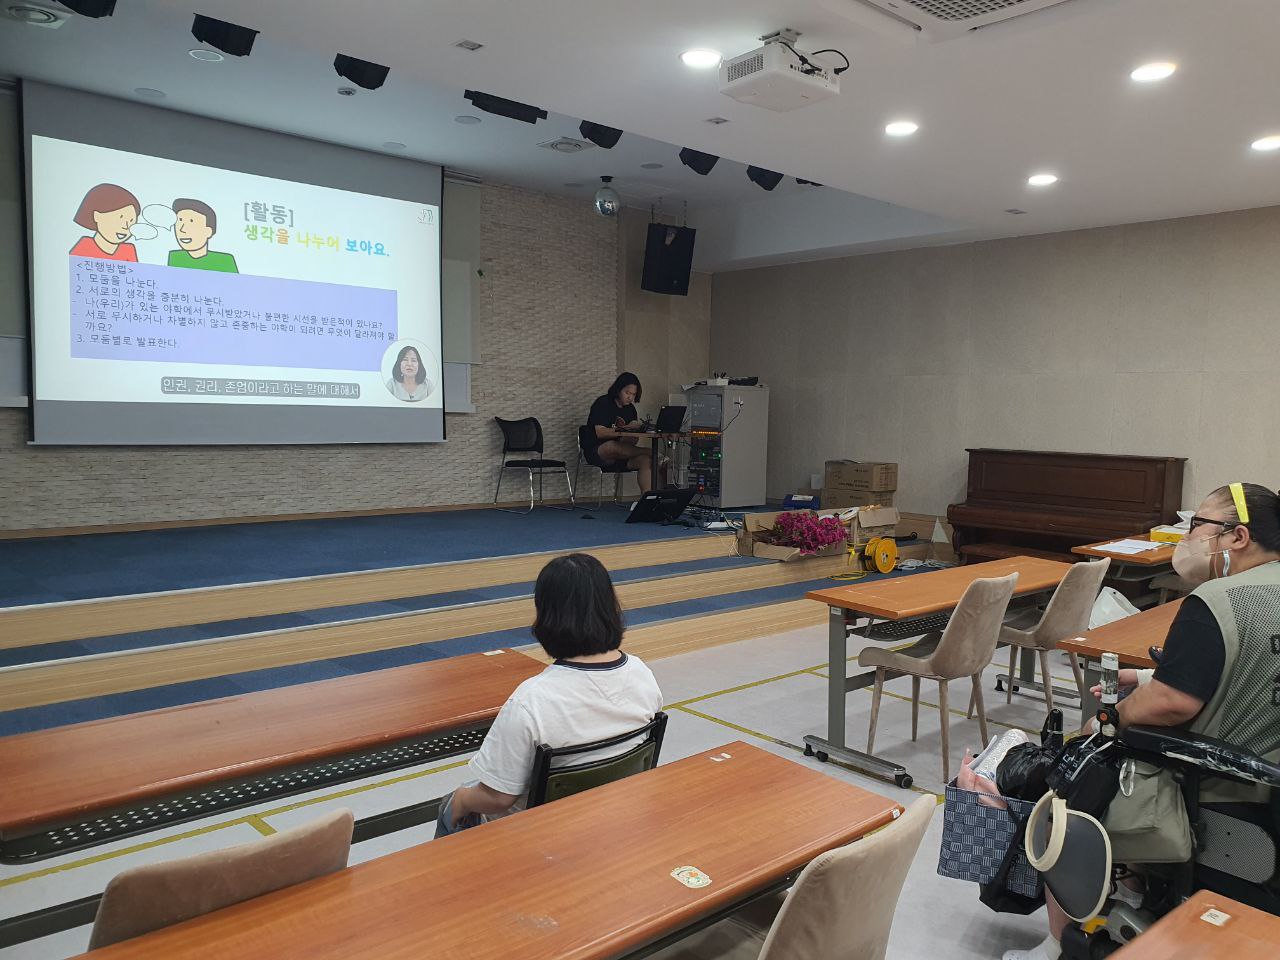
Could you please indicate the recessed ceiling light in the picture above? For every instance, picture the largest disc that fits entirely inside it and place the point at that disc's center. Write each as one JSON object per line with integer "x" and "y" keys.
{"x": 346, "y": 91}
{"x": 901, "y": 128}
{"x": 466, "y": 120}
{"x": 150, "y": 93}
{"x": 1042, "y": 179}
{"x": 393, "y": 145}
{"x": 1151, "y": 72}
{"x": 33, "y": 16}
{"x": 206, "y": 56}
{"x": 700, "y": 58}
{"x": 469, "y": 45}
{"x": 650, "y": 166}
{"x": 1267, "y": 144}
{"x": 717, "y": 120}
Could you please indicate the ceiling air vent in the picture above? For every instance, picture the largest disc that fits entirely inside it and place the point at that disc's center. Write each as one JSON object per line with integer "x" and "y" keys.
{"x": 944, "y": 19}
{"x": 566, "y": 145}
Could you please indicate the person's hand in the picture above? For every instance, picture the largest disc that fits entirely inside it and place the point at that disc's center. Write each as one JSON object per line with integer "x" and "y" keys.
{"x": 1127, "y": 679}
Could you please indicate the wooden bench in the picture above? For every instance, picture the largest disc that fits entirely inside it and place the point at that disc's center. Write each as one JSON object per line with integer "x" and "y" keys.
{"x": 70, "y": 788}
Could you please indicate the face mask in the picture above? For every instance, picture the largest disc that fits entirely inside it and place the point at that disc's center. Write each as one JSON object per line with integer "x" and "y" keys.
{"x": 1193, "y": 560}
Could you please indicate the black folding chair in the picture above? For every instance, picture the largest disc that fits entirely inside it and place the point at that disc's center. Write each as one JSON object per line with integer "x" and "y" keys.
{"x": 551, "y": 783}
{"x": 617, "y": 469}
{"x": 525, "y": 436}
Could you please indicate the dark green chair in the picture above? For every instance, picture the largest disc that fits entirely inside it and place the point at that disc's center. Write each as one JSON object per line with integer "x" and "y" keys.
{"x": 549, "y": 784}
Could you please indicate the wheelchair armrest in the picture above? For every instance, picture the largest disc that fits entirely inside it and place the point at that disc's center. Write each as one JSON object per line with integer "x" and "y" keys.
{"x": 1216, "y": 757}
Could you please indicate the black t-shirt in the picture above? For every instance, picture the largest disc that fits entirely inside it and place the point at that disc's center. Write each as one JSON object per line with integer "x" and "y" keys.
{"x": 1194, "y": 652}
{"x": 605, "y": 413}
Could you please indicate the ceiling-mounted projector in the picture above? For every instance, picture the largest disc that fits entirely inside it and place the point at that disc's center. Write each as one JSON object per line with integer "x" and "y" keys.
{"x": 776, "y": 76}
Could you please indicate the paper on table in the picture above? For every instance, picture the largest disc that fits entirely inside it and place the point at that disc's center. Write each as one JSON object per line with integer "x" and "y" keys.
{"x": 1131, "y": 546}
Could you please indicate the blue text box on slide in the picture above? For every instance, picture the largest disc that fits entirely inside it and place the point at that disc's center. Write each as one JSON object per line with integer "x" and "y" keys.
{"x": 139, "y": 311}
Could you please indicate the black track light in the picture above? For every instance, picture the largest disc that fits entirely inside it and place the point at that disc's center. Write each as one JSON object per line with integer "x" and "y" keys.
{"x": 361, "y": 72}
{"x": 697, "y": 161}
{"x": 91, "y": 8}
{"x": 763, "y": 178}
{"x": 228, "y": 37}
{"x": 511, "y": 109}
{"x": 599, "y": 134}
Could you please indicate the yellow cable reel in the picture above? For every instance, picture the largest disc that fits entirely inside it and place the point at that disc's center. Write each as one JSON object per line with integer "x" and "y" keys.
{"x": 880, "y": 554}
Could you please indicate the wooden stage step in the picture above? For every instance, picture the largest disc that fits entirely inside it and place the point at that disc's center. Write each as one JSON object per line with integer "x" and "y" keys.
{"x": 81, "y": 619}
{"x": 74, "y": 680}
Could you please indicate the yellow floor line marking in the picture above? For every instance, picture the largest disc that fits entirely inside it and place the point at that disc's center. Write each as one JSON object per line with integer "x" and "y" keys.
{"x": 260, "y": 825}
{"x": 211, "y": 828}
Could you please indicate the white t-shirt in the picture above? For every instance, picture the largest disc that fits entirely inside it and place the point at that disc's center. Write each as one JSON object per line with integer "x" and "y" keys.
{"x": 564, "y": 705}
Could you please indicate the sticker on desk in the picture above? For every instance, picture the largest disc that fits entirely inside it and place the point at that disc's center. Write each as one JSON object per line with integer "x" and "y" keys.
{"x": 493, "y": 653}
{"x": 721, "y": 758}
{"x": 691, "y": 877}
{"x": 1216, "y": 917}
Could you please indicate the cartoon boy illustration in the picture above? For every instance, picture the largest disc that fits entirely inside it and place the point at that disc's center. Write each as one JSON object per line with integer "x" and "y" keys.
{"x": 110, "y": 212}
{"x": 196, "y": 223}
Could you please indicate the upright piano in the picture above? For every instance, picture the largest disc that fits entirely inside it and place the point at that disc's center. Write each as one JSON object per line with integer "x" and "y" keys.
{"x": 1043, "y": 504}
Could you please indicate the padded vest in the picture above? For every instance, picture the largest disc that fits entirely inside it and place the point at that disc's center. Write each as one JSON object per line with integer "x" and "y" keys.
{"x": 1245, "y": 708}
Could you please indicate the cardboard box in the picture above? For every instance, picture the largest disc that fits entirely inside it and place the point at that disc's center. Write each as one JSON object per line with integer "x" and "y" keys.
{"x": 855, "y": 475}
{"x": 838, "y": 498}
{"x": 873, "y": 522}
{"x": 753, "y": 524}
{"x": 933, "y": 538}
{"x": 1166, "y": 533}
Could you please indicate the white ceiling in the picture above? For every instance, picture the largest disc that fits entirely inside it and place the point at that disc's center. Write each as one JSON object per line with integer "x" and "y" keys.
{"x": 1048, "y": 91}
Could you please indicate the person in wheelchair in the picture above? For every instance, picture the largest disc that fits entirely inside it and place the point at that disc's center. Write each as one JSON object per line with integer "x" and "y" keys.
{"x": 1219, "y": 682}
{"x": 591, "y": 692}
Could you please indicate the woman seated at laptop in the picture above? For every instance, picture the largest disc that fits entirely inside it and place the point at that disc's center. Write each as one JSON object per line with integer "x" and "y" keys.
{"x": 606, "y": 445}
{"x": 593, "y": 691}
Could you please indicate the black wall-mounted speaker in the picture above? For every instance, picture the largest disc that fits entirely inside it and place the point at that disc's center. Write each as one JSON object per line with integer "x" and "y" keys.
{"x": 228, "y": 37}
{"x": 668, "y": 258}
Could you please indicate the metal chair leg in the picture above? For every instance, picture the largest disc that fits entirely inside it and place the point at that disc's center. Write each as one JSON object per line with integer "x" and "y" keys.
{"x": 945, "y": 714}
{"x": 522, "y": 513}
{"x": 875, "y": 709}
{"x": 573, "y": 504}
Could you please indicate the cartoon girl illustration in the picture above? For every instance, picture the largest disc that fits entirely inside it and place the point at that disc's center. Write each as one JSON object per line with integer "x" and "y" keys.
{"x": 110, "y": 212}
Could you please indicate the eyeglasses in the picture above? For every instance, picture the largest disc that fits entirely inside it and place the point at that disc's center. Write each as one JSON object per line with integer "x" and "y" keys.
{"x": 1200, "y": 521}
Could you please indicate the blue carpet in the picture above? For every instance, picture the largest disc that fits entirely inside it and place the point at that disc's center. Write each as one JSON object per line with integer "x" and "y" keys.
{"x": 58, "y": 714}
{"x": 45, "y": 570}
{"x": 230, "y": 628}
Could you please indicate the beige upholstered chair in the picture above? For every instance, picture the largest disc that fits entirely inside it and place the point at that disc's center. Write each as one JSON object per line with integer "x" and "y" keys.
{"x": 1067, "y": 615}
{"x": 966, "y": 647}
{"x": 160, "y": 894}
{"x": 840, "y": 908}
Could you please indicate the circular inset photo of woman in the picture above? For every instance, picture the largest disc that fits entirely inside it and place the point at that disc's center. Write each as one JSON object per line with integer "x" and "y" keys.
{"x": 411, "y": 370}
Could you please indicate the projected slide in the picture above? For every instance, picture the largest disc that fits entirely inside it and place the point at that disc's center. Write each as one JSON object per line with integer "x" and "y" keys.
{"x": 162, "y": 282}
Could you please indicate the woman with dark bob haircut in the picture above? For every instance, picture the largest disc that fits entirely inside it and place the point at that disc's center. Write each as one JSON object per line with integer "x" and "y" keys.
{"x": 606, "y": 444}
{"x": 593, "y": 691}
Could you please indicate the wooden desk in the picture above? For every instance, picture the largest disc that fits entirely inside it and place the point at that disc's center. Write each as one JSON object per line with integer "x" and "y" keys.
{"x": 1183, "y": 935}
{"x": 66, "y": 774}
{"x": 73, "y": 787}
{"x": 585, "y": 878}
{"x": 1129, "y": 639}
{"x": 902, "y": 600}
{"x": 1162, "y": 556}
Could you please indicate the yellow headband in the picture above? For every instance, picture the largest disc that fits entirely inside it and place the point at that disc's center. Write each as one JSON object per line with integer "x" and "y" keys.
{"x": 1242, "y": 509}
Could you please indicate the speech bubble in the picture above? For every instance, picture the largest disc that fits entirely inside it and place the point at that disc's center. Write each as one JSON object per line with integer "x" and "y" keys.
{"x": 158, "y": 215}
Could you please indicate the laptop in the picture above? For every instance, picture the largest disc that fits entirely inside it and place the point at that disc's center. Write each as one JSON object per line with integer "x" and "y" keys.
{"x": 670, "y": 420}
{"x": 661, "y": 506}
